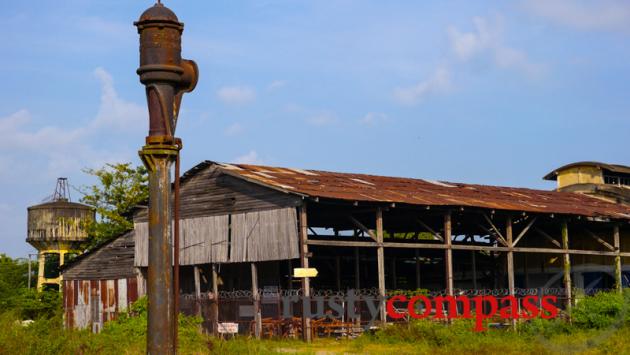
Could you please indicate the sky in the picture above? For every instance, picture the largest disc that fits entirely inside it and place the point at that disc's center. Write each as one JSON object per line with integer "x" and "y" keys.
{"x": 488, "y": 92}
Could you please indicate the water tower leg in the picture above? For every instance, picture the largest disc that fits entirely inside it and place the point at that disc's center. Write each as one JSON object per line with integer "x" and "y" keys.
{"x": 41, "y": 257}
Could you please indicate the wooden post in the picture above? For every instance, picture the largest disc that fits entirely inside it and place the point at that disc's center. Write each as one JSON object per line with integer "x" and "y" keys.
{"x": 306, "y": 283}
{"x": 197, "y": 291}
{"x": 448, "y": 254}
{"x": 566, "y": 265}
{"x": 510, "y": 260}
{"x": 357, "y": 269}
{"x": 617, "y": 246}
{"x": 394, "y": 282}
{"x": 526, "y": 268}
{"x": 338, "y": 271}
{"x": 417, "y": 256}
{"x": 357, "y": 280}
{"x": 215, "y": 303}
{"x": 256, "y": 299}
{"x": 474, "y": 269}
{"x": 380, "y": 259}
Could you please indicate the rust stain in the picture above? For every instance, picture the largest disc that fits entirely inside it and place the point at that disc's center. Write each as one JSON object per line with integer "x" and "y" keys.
{"x": 373, "y": 188}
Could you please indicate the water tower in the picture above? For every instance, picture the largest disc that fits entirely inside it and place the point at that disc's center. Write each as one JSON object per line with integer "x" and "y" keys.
{"x": 57, "y": 228}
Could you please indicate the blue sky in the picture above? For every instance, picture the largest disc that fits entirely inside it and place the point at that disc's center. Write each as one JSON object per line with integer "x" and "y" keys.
{"x": 489, "y": 92}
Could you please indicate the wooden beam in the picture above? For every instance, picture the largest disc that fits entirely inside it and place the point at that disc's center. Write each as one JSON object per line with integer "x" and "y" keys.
{"x": 306, "y": 282}
{"x": 500, "y": 237}
{"x": 197, "y": 291}
{"x": 436, "y": 235}
{"x": 618, "y": 280}
{"x": 549, "y": 238}
{"x": 363, "y": 228}
{"x": 380, "y": 256}
{"x": 417, "y": 257}
{"x": 338, "y": 271}
{"x": 510, "y": 261}
{"x": 524, "y": 231}
{"x": 599, "y": 240}
{"x": 339, "y": 243}
{"x": 448, "y": 254}
{"x": 567, "y": 265}
{"x": 256, "y": 299}
{"x": 357, "y": 269}
{"x": 474, "y": 269}
{"x": 215, "y": 303}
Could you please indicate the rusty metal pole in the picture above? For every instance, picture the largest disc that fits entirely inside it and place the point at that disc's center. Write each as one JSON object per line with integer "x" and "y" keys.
{"x": 166, "y": 77}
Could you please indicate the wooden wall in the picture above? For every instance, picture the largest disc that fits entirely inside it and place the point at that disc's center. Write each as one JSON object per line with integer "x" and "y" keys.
{"x": 240, "y": 237}
{"x": 211, "y": 192}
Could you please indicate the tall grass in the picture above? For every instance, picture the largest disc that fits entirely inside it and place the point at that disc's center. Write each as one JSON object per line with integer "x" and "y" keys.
{"x": 600, "y": 324}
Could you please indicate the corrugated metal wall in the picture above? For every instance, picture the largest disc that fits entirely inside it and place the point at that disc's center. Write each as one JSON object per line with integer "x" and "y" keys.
{"x": 90, "y": 303}
{"x": 252, "y": 236}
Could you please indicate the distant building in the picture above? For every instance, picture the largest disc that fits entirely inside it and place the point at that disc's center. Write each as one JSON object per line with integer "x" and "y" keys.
{"x": 610, "y": 182}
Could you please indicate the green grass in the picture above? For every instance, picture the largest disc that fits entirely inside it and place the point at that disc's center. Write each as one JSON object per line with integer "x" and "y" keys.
{"x": 600, "y": 326}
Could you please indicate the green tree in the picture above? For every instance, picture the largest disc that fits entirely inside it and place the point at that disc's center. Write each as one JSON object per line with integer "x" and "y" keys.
{"x": 120, "y": 188}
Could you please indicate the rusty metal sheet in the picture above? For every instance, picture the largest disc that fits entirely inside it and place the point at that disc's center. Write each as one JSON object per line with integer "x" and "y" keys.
{"x": 373, "y": 188}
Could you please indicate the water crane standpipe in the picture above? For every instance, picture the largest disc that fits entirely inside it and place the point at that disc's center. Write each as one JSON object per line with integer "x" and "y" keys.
{"x": 166, "y": 77}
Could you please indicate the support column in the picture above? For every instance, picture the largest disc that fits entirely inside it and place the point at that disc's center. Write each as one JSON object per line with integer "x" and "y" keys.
{"x": 510, "y": 261}
{"x": 306, "y": 282}
{"x": 394, "y": 282}
{"x": 338, "y": 271}
{"x": 357, "y": 270}
{"x": 41, "y": 258}
{"x": 357, "y": 280}
{"x": 215, "y": 300}
{"x": 474, "y": 269}
{"x": 197, "y": 291}
{"x": 158, "y": 156}
{"x": 566, "y": 265}
{"x": 617, "y": 246}
{"x": 417, "y": 256}
{"x": 380, "y": 259}
{"x": 448, "y": 254}
{"x": 256, "y": 299}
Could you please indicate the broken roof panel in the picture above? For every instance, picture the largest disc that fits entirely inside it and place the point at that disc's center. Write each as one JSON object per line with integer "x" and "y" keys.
{"x": 373, "y": 188}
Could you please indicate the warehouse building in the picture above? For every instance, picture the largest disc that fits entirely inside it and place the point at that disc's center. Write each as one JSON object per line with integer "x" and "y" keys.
{"x": 245, "y": 228}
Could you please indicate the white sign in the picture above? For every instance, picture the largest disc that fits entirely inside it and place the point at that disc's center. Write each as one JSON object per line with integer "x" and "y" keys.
{"x": 228, "y": 328}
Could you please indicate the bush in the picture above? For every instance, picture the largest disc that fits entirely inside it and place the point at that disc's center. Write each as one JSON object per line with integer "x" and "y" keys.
{"x": 602, "y": 310}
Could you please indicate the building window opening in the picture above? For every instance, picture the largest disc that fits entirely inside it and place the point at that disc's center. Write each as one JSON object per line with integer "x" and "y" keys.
{"x": 51, "y": 265}
{"x": 617, "y": 180}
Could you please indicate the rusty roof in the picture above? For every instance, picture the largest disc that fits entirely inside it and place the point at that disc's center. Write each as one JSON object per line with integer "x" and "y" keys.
{"x": 385, "y": 189}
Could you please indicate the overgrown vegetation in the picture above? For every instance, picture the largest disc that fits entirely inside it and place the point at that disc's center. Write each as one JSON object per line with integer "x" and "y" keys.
{"x": 600, "y": 324}
{"x": 15, "y": 296}
{"x": 120, "y": 188}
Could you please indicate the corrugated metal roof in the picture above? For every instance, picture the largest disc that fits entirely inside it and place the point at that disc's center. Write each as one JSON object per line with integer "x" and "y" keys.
{"x": 373, "y": 188}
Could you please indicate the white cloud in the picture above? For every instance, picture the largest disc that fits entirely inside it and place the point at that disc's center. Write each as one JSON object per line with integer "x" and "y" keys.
{"x": 439, "y": 82}
{"x": 56, "y": 151}
{"x": 234, "y": 129}
{"x": 276, "y": 84}
{"x": 487, "y": 39}
{"x": 323, "y": 118}
{"x": 236, "y": 95}
{"x": 373, "y": 118}
{"x": 584, "y": 14}
{"x": 115, "y": 112}
{"x": 249, "y": 158}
